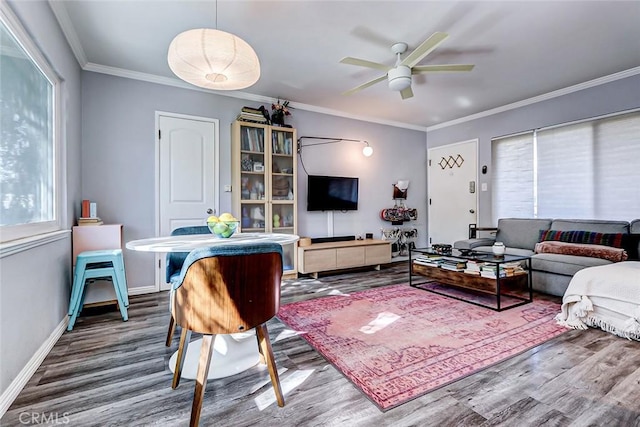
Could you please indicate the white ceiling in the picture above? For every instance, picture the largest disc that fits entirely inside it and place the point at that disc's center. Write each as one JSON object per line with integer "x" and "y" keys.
{"x": 521, "y": 49}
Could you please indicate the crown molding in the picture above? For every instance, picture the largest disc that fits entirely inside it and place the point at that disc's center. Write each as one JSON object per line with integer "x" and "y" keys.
{"x": 61, "y": 14}
{"x": 550, "y": 95}
{"x": 169, "y": 81}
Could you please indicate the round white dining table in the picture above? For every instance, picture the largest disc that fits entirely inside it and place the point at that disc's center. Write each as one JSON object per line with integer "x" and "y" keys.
{"x": 232, "y": 353}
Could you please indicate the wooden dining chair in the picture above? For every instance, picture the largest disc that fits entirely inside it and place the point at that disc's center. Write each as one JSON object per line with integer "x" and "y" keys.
{"x": 174, "y": 263}
{"x": 227, "y": 289}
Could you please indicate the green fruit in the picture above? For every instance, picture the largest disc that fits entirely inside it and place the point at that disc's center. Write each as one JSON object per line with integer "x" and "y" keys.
{"x": 227, "y": 233}
{"x": 220, "y": 228}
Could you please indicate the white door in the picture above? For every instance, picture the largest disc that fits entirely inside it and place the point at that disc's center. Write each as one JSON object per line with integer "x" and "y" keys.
{"x": 453, "y": 200}
{"x": 187, "y": 176}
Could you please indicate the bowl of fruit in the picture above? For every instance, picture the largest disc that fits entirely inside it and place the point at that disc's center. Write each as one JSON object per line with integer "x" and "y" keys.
{"x": 223, "y": 226}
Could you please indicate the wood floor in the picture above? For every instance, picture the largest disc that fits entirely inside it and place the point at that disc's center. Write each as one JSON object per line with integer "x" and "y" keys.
{"x": 112, "y": 373}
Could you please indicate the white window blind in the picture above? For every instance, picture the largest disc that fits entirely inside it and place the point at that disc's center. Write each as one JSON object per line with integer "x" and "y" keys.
{"x": 617, "y": 171}
{"x": 565, "y": 172}
{"x": 513, "y": 177}
{"x": 585, "y": 170}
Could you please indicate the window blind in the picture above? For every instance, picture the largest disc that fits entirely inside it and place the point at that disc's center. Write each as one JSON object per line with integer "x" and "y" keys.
{"x": 513, "y": 177}
{"x": 585, "y": 170}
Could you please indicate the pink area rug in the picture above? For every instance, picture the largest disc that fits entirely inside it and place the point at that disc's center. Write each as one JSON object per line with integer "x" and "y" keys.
{"x": 397, "y": 343}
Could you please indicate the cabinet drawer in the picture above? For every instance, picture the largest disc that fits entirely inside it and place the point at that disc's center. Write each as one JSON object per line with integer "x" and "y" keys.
{"x": 322, "y": 260}
{"x": 349, "y": 257}
{"x": 378, "y": 254}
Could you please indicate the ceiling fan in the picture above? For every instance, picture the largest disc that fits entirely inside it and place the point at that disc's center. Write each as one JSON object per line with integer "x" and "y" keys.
{"x": 399, "y": 75}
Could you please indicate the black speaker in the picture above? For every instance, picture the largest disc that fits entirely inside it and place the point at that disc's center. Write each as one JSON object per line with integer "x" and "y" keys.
{"x": 369, "y": 235}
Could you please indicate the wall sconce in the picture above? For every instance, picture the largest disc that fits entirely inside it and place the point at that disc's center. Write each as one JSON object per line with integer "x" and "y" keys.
{"x": 367, "y": 151}
{"x": 400, "y": 189}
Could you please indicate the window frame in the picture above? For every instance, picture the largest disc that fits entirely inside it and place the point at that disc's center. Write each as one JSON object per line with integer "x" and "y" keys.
{"x": 18, "y": 235}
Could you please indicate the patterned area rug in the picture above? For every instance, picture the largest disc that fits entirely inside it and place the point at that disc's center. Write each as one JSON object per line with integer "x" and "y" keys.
{"x": 397, "y": 343}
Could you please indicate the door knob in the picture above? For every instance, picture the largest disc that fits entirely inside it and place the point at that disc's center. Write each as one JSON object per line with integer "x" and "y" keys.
{"x": 472, "y": 210}
{"x": 209, "y": 211}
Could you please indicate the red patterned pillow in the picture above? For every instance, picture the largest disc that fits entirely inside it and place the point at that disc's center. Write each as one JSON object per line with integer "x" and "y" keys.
{"x": 579, "y": 249}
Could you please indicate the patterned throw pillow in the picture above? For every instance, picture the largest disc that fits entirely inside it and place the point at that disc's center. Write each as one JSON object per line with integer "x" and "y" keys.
{"x": 579, "y": 236}
{"x": 581, "y": 249}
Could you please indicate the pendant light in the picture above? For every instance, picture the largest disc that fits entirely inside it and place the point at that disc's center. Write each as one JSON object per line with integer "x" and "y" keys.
{"x": 213, "y": 59}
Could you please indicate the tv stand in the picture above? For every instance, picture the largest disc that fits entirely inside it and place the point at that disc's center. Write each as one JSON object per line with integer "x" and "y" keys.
{"x": 338, "y": 255}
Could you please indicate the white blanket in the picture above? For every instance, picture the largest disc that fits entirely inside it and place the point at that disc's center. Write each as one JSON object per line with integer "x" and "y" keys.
{"x": 606, "y": 297}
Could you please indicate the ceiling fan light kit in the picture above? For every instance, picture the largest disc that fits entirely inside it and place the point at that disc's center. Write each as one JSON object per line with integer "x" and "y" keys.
{"x": 399, "y": 78}
{"x": 213, "y": 59}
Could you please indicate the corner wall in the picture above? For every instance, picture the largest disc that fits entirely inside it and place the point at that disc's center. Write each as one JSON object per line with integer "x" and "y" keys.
{"x": 612, "y": 97}
{"x": 35, "y": 283}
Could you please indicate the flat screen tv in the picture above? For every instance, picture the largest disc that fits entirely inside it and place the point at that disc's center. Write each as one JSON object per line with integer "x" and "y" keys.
{"x": 332, "y": 193}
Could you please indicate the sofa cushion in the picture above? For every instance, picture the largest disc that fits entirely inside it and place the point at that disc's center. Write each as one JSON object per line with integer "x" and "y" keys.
{"x": 520, "y": 232}
{"x": 634, "y": 227}
{"x": 599, "y": 226}
{"x": 567, "y": 265}
{"x": 594, "y": 251}
{"x": 582, "y": 236}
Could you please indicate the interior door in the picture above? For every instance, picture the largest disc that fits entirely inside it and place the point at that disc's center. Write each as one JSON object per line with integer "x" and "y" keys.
{"x": 187, "y": 176}
{"x": 452, "y": 187}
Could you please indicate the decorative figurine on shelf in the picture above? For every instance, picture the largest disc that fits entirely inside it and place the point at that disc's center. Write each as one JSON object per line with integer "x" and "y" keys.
{"x": 279, "y": 111}
{"x": 276, "y": 221}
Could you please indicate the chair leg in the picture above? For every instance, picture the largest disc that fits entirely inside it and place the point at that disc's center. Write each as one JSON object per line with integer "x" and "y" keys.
{"x": 79, "y": 302}
{"x": 201, "y": 379}
{"x": 262, "y": 333}
{"x": 172, "y": 329}
{"x": 185, "y": 337}
{"x": 122, "y": 304}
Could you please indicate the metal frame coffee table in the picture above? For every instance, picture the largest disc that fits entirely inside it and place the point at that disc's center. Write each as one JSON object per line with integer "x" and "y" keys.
{"x": 511, "y": 286}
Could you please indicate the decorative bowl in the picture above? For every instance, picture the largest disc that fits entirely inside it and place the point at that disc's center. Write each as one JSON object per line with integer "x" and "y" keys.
{"x": 223, "y": 229}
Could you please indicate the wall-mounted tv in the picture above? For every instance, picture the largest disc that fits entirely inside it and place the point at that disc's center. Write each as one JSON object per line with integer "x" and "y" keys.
{"x": 332, "y": 193}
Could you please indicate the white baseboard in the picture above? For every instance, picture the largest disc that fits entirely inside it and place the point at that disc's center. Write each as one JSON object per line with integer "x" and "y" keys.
{"x": 139, "y": 290}
{"x": 16, "y": 386}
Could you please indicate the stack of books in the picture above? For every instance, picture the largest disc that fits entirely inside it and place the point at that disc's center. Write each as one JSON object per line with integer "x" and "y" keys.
{"x": 89, "y": 213}
{"x": 248, "y": 114}
{"x": 454, "y": 264}
{"x": 430, "y": 260}
{"x": 89, "y": 221}
{"x": 473, "y": 267}
{"x": 506, "y": 270}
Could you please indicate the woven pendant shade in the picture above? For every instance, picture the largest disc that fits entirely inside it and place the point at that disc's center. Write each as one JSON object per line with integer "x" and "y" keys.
{"x": 213, "y": 59}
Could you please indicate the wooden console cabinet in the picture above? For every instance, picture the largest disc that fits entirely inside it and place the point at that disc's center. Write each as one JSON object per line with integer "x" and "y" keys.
{"x": 330, "y": 256}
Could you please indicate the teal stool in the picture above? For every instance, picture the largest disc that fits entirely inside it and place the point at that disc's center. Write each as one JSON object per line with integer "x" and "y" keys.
{"x": 107, "y": 264}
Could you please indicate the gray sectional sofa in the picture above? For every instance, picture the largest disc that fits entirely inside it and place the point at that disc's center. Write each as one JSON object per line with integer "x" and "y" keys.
{"x": 552, "y": 272}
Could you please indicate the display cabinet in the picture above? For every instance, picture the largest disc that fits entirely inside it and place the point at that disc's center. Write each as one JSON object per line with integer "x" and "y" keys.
{"x": 264, "y": 171}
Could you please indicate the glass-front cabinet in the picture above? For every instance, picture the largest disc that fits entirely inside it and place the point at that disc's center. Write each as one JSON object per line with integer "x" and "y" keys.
{"x": 264, "y": 196}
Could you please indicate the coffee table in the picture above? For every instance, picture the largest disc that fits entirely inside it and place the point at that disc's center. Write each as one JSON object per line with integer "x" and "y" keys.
{"x": 511, "y": 286}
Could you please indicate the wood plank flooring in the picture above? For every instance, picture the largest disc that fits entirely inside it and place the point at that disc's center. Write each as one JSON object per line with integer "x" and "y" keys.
{"x": 112, "y": 373}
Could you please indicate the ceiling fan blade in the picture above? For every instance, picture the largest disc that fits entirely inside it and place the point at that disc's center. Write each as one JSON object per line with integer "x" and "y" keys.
{"x": 424, "y": 49}
{"x": 406, "y": 93}
{"x": 441, "y": 68}
{"x": 363, "y": 63}
{"x": 365, "y": 85}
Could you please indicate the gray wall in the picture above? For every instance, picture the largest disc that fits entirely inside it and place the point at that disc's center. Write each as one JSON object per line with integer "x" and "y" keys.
{"x": 34, "y": 284}
{"x": 118, "y": 134}
{"x": 619, "y": 95}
